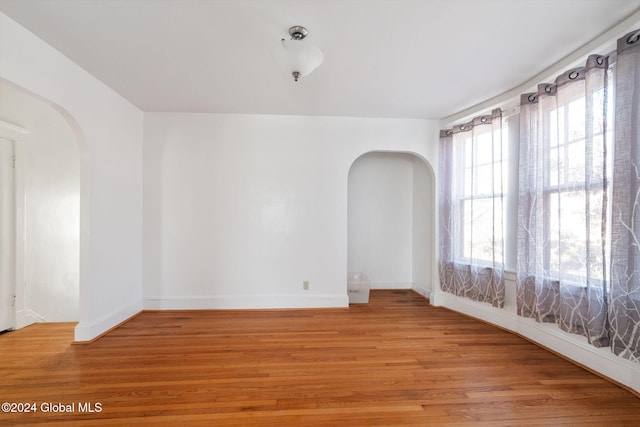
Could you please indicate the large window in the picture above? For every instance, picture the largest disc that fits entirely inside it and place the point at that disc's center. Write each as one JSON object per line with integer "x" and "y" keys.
{"x": 564, "y": 212}
{"x": 577, "y": 197}
{"x": 472, "y": 209}
{"x": 577, "y": 184}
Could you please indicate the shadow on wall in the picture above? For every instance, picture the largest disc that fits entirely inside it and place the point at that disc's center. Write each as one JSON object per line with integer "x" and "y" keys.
{"x": 391, "y": 220}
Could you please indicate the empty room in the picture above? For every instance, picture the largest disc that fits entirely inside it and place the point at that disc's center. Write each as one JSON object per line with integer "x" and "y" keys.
{"x": 308, "y": 212}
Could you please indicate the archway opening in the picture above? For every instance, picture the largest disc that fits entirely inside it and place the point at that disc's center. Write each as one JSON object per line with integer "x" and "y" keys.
{"x": 391, "y": 221}
{"x": 46, "y": 249}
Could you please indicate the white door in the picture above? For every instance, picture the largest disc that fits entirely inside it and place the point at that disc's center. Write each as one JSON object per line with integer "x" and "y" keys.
{"x": 7, "y": 235}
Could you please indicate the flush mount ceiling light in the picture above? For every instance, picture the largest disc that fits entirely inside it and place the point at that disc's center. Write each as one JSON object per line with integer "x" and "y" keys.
{"x": 297, "y": 56}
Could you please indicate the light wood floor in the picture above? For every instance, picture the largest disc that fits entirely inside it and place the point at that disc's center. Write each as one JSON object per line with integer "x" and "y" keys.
{"x": 396, "y": 361}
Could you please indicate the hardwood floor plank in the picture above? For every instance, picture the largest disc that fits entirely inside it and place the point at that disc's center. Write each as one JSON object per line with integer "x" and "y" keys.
{"x": 396, "y": 361}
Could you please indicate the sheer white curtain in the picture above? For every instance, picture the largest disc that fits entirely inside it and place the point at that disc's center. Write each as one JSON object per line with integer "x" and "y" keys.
{"x": 471, "y": 206}
{"x": 624, "y": 310}
{"x": 563, "y": 201}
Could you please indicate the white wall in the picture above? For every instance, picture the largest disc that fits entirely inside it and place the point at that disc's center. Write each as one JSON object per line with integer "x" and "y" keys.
{"x": 380, "y": 215}
{"x": 423, "y": 242}
{"x": 109, "y": 133}
{"x": 239, "y": 210}
{"x": 7, "y": 233}
{"x": 49, "y": 201}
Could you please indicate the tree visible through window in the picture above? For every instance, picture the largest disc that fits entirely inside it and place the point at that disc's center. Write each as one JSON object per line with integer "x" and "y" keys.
{"x": 576, "y": 185}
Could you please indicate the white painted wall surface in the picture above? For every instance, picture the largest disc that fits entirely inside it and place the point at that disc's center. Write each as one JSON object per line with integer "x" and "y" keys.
{"x": 239, "y": 210}
{"x": 49, "y": 167}
{"x": 423, "y": 241}
{"x": 7, "y": 234}
{"x": 109, "y": 131}
{"x": 380, "y": 214}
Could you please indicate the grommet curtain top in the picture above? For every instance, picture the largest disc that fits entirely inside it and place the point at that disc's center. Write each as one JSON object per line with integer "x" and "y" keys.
{"x": 476, "y": 121}
{"x": 575, "y": 74}
{"x": 629, "y": 41}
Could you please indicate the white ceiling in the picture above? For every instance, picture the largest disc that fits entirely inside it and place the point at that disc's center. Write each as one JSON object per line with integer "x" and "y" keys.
{"x": 383, "y": 58}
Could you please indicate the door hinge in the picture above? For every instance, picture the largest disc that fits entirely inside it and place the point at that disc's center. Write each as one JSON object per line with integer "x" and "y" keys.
{"x": 13, "y": 161}
{"x": 13, "y": 300}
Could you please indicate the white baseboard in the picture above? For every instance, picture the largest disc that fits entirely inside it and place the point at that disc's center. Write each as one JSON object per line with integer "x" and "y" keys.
{"x": 27, "y": 317}
{"x": 21, "y": 319}
{"x": 422, "y": 291}
{"x": 391, "y": 285}
{"x": 246, "y": 302}
{"x": 86, "y": 331}
{"x": 479, "y": 310}
{"x": 574, "y": 347}
{"x": 578, "y": 349}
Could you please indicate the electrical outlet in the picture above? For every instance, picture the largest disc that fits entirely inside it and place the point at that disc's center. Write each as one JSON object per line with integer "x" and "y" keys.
{"x": 305, "y": 285}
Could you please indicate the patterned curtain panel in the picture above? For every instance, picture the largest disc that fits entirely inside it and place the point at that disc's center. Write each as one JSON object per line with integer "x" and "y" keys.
{"x": 472, "y": 166}
{"x": 575, "y": 200}
{"x": 562, "y": 209}
{"x": 624, "y": 310}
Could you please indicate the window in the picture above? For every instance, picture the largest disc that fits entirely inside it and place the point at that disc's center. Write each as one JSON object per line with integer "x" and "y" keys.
{"x": 576, "y": 184}
{"x": 564, "y": 209}
{"x": 472, "y": 209}
{"x": 482, "y": 162}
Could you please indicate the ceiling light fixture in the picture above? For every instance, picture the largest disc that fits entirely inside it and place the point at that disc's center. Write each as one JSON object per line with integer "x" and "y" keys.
{"x": 296, "y": 56}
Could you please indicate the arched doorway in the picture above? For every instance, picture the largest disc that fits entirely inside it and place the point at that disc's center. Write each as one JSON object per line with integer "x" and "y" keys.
{"x": 46, "y": 254}
{"x": 391, "y": 217}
